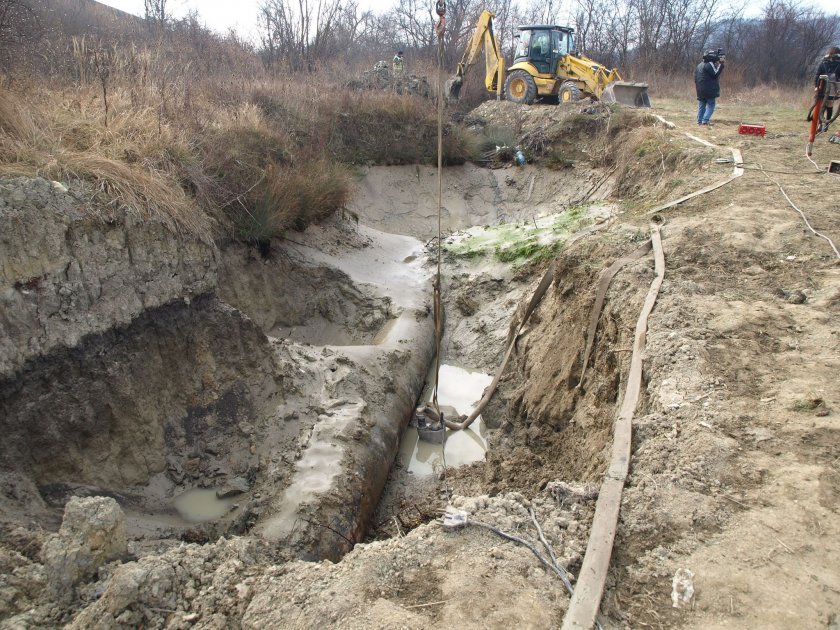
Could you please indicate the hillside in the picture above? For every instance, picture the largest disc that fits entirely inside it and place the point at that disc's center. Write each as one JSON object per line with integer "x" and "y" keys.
{"x": 84, "y": 17}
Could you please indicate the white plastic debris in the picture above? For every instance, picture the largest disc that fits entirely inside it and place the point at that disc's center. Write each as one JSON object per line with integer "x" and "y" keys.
{"x": 454, "y": 518}
{"x": 682, "y": 589}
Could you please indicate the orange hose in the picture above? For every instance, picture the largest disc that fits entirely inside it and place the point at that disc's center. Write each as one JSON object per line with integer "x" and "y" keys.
{"x": 815, "y": 118}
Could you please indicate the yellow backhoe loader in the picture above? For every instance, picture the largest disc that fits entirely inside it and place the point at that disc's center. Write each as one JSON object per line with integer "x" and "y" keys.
{"x": 545, "y": 64}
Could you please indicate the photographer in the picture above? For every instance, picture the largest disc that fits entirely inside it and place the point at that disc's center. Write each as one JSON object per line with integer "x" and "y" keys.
{"x": 707, "y": 82}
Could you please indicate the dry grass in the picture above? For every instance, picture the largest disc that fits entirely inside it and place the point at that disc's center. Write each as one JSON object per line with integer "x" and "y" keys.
{"x": 248, "y": 158}
{"x": 15, "y": 120}
{"x": 59, "y": 150}
{"x": 734, "y": 89}
{"x": 217, "y": 160}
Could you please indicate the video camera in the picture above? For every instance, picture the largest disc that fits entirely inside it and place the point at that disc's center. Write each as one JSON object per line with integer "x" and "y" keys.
{"x": 714, "y": 55}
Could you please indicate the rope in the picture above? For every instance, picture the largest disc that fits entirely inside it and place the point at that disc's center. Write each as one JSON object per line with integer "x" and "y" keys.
{"x": 802, "y": 214}
{"x": 737, "y": 171}
{"x": 586, "y": 599}
{"x": 440, "y": 29}
{"x": 814, "y": 163}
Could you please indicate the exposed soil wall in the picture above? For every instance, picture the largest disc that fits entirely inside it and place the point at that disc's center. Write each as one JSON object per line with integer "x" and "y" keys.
{"x": 320, "y": 305}
{"x": 403, "y": 199}
{"x": 65, "y": 274}
{"x": 109, "y": 412}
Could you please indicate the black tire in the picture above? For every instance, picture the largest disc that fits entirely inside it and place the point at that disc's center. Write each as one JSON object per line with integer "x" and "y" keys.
{"x": 520, "y": 87}
{"x": 568, "y": 93}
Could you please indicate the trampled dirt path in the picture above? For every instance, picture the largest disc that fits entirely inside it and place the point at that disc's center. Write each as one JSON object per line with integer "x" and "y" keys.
{"x": 751, "y": 393}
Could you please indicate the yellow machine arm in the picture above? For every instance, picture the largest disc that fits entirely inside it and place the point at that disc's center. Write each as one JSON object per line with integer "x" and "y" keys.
{"x": 604, "y": 84}
{"x": 592, "y": 74}
{"x": 483, "y": 39}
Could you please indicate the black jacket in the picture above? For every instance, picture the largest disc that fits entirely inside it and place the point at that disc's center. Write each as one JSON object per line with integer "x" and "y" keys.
{"x": 707, "y": 80}
{"x": 828, "y": 66}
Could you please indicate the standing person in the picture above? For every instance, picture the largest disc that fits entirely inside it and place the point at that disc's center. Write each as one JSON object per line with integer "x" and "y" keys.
{"x": 707, "y": 82}
{"x": 829, "y": 66}
{"x": 397, "y": 65}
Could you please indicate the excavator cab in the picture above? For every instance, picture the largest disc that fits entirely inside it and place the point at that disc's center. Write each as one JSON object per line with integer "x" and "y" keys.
{"x": 543, "y": 46}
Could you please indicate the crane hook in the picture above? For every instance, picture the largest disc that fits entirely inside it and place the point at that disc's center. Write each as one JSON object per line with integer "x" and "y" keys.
{"x": 440, "y": 27}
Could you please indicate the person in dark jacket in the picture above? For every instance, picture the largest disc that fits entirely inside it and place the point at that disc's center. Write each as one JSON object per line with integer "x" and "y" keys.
{"x": 707, "y": 82}
{"x": 829, "y": 66}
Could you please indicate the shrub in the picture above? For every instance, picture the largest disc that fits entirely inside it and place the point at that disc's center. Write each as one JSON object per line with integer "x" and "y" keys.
{"x": 493, "y": 144}
{"x": 291, "y": 198}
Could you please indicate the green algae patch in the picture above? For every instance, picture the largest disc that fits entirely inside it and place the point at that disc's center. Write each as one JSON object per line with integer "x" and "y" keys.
{"x": 531, "y": 241}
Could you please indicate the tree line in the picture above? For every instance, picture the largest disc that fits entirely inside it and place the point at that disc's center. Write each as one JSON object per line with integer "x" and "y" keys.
{"x": 644, "y": 38}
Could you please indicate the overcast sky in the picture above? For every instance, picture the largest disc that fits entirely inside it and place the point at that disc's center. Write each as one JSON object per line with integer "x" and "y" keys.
{"x": 221, "y": 15}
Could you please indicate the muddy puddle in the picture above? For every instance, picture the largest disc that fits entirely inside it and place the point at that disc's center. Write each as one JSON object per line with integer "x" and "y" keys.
{"x": 201, "y": 505}
{"x": 462, "y": 389}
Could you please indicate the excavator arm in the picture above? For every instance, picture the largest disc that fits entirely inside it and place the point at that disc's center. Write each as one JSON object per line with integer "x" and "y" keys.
{"x": 482, "y": 39}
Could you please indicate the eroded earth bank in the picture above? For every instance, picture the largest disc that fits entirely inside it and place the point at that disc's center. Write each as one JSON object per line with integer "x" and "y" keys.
{"x": 200, "y": 435}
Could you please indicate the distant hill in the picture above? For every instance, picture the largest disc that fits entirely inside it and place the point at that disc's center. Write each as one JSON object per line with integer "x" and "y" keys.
{"x": 79, "y": 17}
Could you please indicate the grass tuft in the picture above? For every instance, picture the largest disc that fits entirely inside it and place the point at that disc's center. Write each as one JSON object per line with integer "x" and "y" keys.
{"x": 292, "y": 198}
{"x": 15, "y": 121}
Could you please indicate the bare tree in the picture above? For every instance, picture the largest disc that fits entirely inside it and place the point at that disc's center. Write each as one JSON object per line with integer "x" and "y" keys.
{"x": 156, "y": 12}
{"x": 787, "y": 40}
{"x": 299, "y": 33}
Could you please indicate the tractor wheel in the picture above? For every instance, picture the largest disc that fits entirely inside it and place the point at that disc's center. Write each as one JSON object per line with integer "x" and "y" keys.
{"x": 569, "y": 93}
{"x": 520, "y": 87}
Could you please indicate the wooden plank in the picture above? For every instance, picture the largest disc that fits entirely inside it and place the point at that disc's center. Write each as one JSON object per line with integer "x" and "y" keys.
{"x": 593, "y": 574}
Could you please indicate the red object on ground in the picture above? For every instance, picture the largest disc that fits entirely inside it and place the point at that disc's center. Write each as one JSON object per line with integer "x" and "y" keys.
{"x": 746, "y": 129}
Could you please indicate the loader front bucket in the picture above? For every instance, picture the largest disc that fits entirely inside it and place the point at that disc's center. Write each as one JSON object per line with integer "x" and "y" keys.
{"x": 626, "y": 93}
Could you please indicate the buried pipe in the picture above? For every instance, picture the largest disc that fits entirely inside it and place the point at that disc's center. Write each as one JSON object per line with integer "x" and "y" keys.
{"x": 323, "y": 520}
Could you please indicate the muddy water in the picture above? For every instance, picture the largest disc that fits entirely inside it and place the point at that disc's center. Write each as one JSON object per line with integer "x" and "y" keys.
{"x": 461, "y": 389}
{"x": 200, "y": 505}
